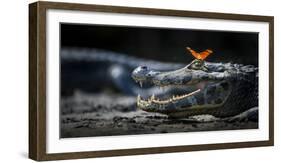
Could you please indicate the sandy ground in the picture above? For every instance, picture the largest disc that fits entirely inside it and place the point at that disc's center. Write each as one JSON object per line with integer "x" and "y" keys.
{"x": 87, "y": 115}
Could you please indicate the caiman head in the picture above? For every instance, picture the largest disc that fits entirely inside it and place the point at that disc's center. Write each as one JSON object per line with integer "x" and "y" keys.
{"x": 205, "y": 86}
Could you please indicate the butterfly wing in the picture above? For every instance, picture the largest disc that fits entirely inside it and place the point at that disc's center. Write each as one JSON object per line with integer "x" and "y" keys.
{"x": 203, "y": 55}
{"x": 194, "y": 53}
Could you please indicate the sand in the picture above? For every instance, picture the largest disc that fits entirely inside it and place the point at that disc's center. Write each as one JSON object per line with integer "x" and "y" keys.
{"x": 88, "y": 115}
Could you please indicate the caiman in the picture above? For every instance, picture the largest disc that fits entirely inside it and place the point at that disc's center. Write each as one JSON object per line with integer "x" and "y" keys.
{"x": 218, "y": 89}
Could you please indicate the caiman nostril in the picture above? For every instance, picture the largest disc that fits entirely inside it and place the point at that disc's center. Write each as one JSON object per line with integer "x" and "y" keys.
{"x": 144, "y": 67}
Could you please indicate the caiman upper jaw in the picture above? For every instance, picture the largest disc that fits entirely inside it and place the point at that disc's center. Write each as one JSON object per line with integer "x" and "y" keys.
{"x": 183, "y": 76}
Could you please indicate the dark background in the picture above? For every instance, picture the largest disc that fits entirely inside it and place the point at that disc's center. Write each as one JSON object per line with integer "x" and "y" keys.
{"x": 164, "y": 44}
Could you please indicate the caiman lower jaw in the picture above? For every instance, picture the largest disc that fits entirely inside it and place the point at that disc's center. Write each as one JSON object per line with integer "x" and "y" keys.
{"x": 174, "y": 98}
{"x": 207, "y": 96}
{"x": 153, "y": 104}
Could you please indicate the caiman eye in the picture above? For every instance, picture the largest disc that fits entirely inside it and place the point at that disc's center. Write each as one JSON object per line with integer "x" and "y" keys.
{"x": 197, "y": 64}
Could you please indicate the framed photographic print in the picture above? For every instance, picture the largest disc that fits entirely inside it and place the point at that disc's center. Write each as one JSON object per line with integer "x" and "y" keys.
{"x": 112, "y": 81}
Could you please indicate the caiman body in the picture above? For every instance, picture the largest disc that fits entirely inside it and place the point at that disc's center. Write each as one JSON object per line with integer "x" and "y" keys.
{"x": 108, "y": 69}
{"x": 218, "y": 89}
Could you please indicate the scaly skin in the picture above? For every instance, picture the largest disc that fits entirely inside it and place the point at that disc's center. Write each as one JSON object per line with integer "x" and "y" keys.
{"x": 218, "y": 89}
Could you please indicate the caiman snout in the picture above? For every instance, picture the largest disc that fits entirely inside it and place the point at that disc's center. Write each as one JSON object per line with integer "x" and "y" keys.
{"x": 143, "y": 73}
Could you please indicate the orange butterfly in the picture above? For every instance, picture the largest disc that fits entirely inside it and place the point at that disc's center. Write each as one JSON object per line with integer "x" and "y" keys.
{"x": 202, "y": 55}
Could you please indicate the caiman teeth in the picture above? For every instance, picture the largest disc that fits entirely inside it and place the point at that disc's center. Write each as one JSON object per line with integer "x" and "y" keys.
{"x": 140, "y": 83}
{"x": 174, "y": 98}
{"x": 190, "y": 94}
{"x": 152, "y": 97}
